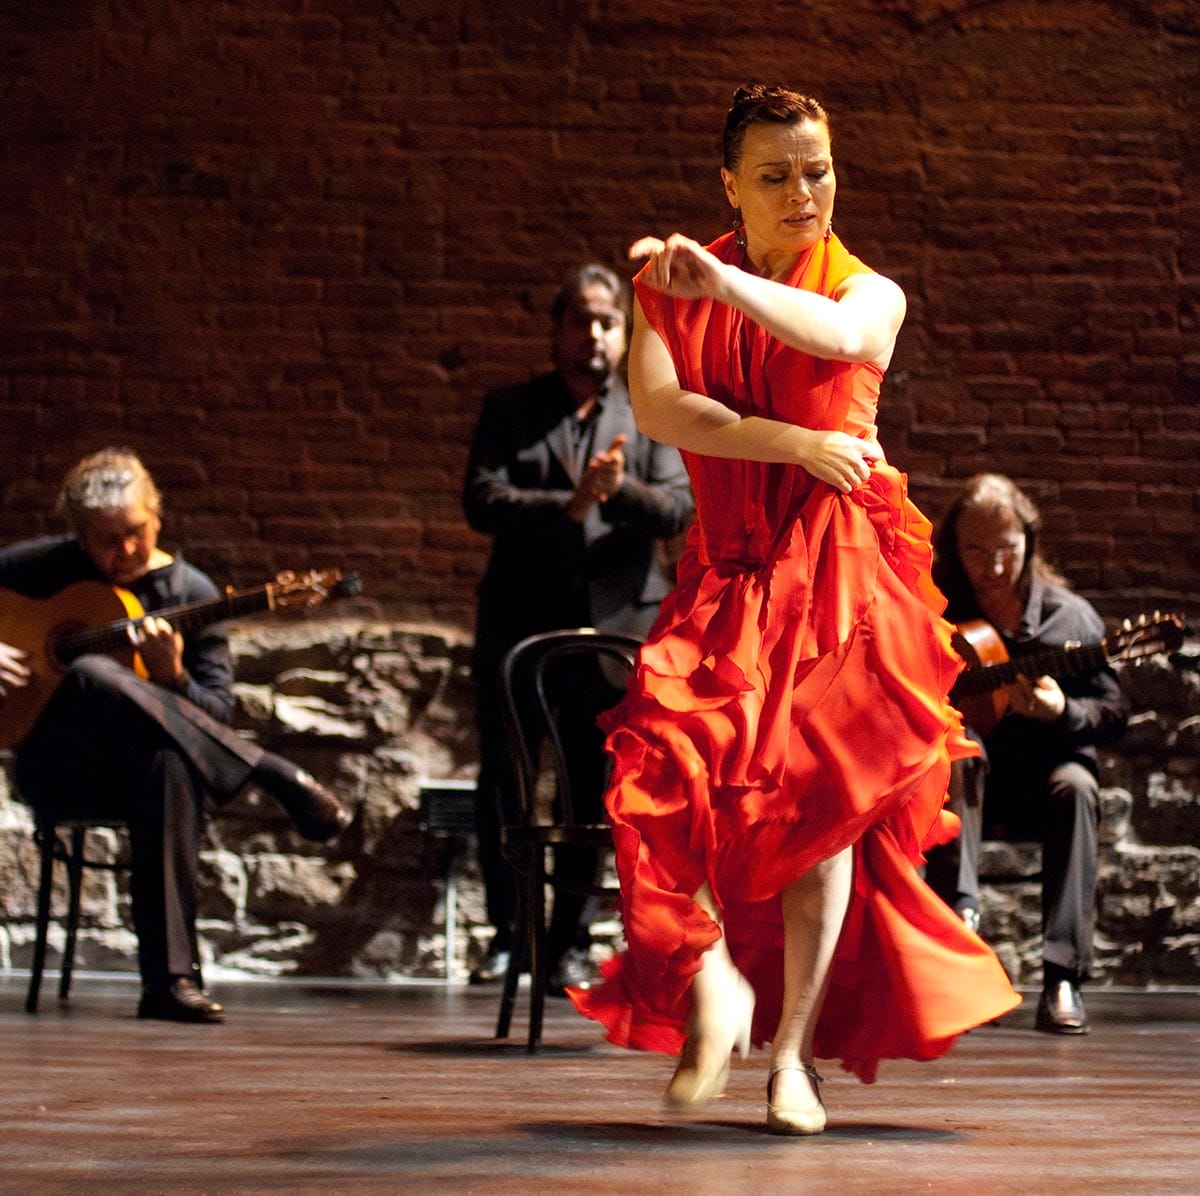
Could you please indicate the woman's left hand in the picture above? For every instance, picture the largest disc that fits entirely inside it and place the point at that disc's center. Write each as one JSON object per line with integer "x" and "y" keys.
{"x": 679, "y": 266}
{"x": 842, "y": 460}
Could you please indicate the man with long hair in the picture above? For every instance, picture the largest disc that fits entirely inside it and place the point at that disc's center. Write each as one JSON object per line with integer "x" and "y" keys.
{"x": 1038, "y": 776}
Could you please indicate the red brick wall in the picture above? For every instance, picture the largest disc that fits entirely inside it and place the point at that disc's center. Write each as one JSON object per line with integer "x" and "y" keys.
{"x": 282, "y": 246}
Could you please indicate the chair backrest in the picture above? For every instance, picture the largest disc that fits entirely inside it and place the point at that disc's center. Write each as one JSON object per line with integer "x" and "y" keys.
{"x": 548, "y": 682}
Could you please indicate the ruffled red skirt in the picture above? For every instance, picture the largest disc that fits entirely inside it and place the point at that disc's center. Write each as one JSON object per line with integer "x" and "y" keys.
{"x": 782, "y": 710}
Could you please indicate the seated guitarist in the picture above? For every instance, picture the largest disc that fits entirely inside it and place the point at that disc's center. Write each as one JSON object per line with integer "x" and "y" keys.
{"x": 1037, "y": 777}
{"x": 109, "y": 743}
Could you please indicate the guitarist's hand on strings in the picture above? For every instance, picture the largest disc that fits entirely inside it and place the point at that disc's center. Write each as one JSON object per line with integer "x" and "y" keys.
{"x": 14, "y": 673}
{"x": 1041, "y": 699}
{"x": 161, "y": 649}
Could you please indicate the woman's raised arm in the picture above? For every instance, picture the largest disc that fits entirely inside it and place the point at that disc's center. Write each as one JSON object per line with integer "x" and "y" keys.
{"x": 858, "y": 323}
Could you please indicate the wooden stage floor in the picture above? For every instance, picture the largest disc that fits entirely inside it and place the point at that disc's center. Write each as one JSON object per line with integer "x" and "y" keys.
{"x": 368, "y": 1089}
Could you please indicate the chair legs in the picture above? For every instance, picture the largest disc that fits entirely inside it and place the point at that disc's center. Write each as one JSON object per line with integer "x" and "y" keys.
{"x": 46, "y": 842}
{"x": 52, "y": 848}
{"x": 517, "y": 963}
{"x": 537, "y": 951}
{"x": 75, "y": 862}
{"x": 528, "y": 948}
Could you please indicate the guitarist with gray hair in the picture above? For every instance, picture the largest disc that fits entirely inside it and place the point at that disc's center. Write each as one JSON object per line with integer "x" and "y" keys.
{"x": 1038, "y": 776}
{"x": 145, "y": 747}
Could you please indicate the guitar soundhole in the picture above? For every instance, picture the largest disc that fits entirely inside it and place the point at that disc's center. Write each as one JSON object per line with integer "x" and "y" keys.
{"x": 60, "y": 651}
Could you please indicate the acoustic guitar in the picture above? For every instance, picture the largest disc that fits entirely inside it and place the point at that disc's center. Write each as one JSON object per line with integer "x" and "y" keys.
{"x": 89, "y": 616}
{"x": 981, "y": 691}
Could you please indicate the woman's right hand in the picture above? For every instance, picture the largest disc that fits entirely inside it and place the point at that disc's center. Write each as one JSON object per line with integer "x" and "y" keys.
{"x": 841, "y": 460}
{"x": 679, "y": 266}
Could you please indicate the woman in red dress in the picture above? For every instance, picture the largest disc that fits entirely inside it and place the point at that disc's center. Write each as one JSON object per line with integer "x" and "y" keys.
{"x": 783, "y": 751}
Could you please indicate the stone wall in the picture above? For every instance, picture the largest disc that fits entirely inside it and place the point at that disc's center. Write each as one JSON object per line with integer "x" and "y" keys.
{"x": 368, "y": 707}
{"x": 372, "y": 707}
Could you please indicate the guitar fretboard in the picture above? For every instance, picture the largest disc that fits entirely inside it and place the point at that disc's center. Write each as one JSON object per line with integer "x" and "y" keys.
{"x": 108, "y": 637}
{"x": 1057, "y": 662}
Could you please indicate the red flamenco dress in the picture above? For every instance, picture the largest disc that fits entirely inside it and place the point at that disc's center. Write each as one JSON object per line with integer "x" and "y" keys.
{"x": 790, "y": 701}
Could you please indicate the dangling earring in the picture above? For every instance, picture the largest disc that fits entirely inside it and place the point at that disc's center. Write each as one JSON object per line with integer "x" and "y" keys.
{"x": 739, "y": 229}
{"x": 828, "y": 232}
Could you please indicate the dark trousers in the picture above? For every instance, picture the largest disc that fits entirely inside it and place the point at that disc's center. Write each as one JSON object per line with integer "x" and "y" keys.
{"x": 1057, "y": 808}
{"x": 109, "y": 744}
{"x": 579, "y": 704}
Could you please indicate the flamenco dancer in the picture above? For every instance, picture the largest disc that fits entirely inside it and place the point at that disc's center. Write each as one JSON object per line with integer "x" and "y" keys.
{"x": 783, "y": 751}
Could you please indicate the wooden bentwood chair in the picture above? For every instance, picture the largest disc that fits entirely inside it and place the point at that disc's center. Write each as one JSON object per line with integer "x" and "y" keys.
{"x": 531, "y": 701}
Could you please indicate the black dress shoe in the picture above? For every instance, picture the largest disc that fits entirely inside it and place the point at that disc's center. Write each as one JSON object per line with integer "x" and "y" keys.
{"x": 181, "y": 1000}
{"x": 492, "y": 967}
{"x": 316, "y": 813}
{"x": 573, "y": 970}
{"x": 1060, "y": 1010}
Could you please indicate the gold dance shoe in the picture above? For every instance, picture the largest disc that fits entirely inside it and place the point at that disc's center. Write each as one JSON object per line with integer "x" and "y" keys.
{"x": 793, "y": 1119}
{"x": 704, "y": 1062}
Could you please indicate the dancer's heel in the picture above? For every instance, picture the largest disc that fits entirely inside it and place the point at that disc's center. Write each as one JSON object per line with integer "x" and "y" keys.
{"x": 795, "y": 1119}
{"x": 704, "y": 1062}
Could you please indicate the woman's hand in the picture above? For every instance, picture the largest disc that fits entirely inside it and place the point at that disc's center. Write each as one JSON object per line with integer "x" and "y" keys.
{"x": 841, "y": 460}
{"x": 858, "y": 322}
{"x": 680, "y": 267}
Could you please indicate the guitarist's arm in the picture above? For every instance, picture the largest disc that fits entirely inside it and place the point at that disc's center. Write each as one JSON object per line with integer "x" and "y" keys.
{"x": 162, "y": 650}
{"x": 1093, "y": 714}
{"x": 209, "y": 668}
{"x": 203, "y": 672}
{"x": 1096, "y": 710}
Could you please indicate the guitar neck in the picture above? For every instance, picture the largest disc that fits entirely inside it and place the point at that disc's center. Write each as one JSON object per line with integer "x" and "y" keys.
{"x": 1055, "y": 662}
{"x": 191, "y": 616}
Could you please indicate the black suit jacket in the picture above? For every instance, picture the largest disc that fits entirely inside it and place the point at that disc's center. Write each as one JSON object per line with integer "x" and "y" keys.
{"x": 546, "y": 570}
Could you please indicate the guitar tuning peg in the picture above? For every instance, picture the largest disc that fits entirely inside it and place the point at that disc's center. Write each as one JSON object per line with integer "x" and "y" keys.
{"x": 1126, "y": 625}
